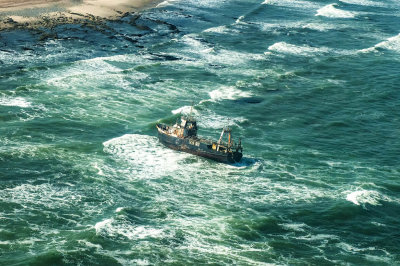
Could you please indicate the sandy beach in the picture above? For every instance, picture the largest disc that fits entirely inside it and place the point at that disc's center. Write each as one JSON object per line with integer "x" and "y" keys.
{"x": 31, "y": 13}
{"x": 18, "y": 4}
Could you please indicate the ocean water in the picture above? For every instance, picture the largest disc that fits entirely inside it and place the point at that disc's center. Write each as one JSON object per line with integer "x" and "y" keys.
{"x": 312, "y": 87}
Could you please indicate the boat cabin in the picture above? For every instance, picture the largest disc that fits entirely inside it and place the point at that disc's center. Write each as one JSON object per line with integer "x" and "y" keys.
{"x": 189, "y": 126}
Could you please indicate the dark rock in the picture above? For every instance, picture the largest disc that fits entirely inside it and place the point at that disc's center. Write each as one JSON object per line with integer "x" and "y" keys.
{"x": 10, "y": 21}
{"x": 46, "y": 36}
{"x": 7, "y": 51}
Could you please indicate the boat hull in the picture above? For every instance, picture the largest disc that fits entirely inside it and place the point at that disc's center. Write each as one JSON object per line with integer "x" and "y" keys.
{"x": 197, "y": 147}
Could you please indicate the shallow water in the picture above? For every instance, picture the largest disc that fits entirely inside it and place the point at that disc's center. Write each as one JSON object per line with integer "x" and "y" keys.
{"x": 310, "y": 86}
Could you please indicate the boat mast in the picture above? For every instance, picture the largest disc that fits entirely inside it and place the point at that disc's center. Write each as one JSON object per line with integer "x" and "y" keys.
{"x": 225, "y": 130}
{"x": 220, "y": 138}
{"x": 191, "y": 110}
{"x": 229, "y": 131}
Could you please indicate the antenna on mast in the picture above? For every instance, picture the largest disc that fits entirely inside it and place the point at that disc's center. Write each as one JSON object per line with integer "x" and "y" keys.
{"x": 191, "y": 110}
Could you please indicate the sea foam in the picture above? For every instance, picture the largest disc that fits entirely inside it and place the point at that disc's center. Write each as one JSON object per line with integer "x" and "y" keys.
{"x": 18, "y": 102}
{"x": 114, "y": 228}
{"x": 41, "y": 196}
{"x": 219, "y": 29}
{"x": 364, "y": 3}
{"x": 331, "y": 11}
{"x": 362, "y": 197}
{"x": 291, "y": 3}
{"x": 320, "y": 26}
{"x": 166, "y": 3}
{"x": 209, "y": 54}
{"x": 304, "y": 50}
{"x": 227, "y": 93}
{"x": 143, "y": 156}
{"x": 212, "y": 120}
{"x": 184, "y": 110}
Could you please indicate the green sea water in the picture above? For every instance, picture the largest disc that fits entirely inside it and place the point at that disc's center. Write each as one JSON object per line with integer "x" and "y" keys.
{"x": 311, "y": 87}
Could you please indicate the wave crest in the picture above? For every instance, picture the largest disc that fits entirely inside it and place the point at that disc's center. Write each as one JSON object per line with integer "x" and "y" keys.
{"x": 114, "y": 228}
{"x": 364, "y": 3}
{"x": 371, "y": 197}
{"x": 304, "y": 50}
{"x": 331, "y": 12}
{"x": 291, "y": 3}
{"x": 392, "y": 43}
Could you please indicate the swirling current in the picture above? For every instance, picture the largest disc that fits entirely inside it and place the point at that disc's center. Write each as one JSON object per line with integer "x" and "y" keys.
{"x": 311, "y": 87}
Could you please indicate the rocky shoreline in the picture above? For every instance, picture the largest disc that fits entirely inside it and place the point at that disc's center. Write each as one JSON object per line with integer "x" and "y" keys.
{"x": 50, "y": 21}
{"x": 85, "y": 15}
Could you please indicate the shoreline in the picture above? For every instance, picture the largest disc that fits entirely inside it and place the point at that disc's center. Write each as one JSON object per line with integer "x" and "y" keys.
{"x": 33, "y": 14}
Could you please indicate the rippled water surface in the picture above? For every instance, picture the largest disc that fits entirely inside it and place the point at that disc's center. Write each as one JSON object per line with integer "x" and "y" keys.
{"x": 312, "y": 87}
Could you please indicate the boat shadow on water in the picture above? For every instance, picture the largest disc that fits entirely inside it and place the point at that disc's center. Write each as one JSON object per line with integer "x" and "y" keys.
{"x": 245, "y": 162}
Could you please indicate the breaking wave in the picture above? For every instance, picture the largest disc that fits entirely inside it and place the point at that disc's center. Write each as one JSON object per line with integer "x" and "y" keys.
{"x": 210, "y": 54}
{"x": 114, "y": 228}
{"x": 184, "y": 110}
{"x": 319, "y": 26}
{"x": 364, "y": 3}
{"x": 392, "y": 43}
{"x": 166, "y": 3}
{"x": 292, "y": 4}
{"x": 371, "y": 197}
{"x": 305, "y": 50}
{"x": 221, "y": 30}
{"x": 228, "y": 93}
{"x": 331, "y": 11}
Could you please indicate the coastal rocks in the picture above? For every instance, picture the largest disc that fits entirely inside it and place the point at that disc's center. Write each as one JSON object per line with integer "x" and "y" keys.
{"x": 54, "y": 13}
{"x": 46, "y": 21}
{"x": 46, "y": 36}
{"x": 9, "y": 21}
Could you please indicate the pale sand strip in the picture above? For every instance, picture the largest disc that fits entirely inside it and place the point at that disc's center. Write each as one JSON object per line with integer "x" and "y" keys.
{"x": 72, "y": 10}
{"x": 106, "y": 8}
{"x": 17, "y": 5}
{"x": 24, "y": 3}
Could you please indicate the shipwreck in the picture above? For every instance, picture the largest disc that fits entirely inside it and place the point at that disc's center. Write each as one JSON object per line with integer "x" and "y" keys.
{"x": 182, "y": 136}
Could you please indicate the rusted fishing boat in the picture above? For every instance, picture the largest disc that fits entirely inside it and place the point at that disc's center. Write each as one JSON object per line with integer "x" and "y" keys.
{"x": 183, "y": 137}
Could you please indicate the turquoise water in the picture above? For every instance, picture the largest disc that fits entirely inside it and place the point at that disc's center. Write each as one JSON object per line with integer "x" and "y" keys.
{"x": 310, "y": 86}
